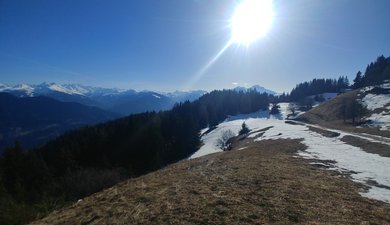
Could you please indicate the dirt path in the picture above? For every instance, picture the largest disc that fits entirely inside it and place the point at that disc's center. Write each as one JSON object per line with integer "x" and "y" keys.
{"x": 263, "y": 183}
{"x": 369, "y": 137}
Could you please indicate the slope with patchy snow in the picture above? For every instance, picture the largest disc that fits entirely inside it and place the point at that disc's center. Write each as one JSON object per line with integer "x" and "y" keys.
{"x": 370, "y": 169}
{"x": 379, "y": 105}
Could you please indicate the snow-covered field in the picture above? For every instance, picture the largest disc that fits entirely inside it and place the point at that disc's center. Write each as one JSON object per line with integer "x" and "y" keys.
{"x": 374, "y": 102}
{"x": 366, "y": 168}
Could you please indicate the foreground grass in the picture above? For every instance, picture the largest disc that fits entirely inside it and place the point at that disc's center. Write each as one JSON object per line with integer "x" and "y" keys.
{"x": 263, "y": 183}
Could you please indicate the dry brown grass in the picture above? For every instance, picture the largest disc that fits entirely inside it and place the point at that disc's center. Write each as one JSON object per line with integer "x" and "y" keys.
{"x": 330, "y": 114}
{"x": 261, "y": 184}
{"x": 325, "y": 133}
{"x": 371, "y": 147}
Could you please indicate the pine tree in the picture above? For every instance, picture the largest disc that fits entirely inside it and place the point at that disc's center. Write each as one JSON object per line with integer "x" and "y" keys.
{"x": 357, "y": 81}
{"x": 275, "y": 109}
{"x": 244, "y": 129}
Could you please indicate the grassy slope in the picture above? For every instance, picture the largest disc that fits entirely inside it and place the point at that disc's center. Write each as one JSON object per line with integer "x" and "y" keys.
{"x": 263, "y": 183}
{"x": 330, "y": 114}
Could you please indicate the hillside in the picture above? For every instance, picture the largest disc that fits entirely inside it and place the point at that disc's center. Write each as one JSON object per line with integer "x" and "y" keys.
{"x": 363, "y": 110}
{"x": 262, "y": 183}
{"x": 35, "y": 120}
{"x": 82, "y": 162}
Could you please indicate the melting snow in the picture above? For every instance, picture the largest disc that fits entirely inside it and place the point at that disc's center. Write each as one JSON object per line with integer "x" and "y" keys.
{"x": 373, "y": 102}
{"x": 378, "y": 102}
{"x": 364, "y": 167}
{"x": 381, "y": 120}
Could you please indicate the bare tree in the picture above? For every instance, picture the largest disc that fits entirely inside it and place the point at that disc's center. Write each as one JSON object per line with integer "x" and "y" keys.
{"x": 353, "y": 109}
{"x": 223, "y": 141}
{"x": 292, "y": 107}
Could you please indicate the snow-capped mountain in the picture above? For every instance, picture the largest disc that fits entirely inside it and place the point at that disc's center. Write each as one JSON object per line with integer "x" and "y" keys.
{"x": 180, "y": 96}
{"x": 20, "y": 90}
{"x": 116, "y": 100}
{"x": 70, "y": 89}
{"x": 96, "y": 91}
{"x": 257, "y": 88}
{"x": 113, "y": 99}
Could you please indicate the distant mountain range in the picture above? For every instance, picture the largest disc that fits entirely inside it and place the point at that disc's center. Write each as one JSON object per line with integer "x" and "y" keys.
{"x": 119, "y": 101}
{"x": 256, "y": 88}
{"x": 35, "y": 120}
{"x": 34, "y": 114}
{"x": 116, "y": 100}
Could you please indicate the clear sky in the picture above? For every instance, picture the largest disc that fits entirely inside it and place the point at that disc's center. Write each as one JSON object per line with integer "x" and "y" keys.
{"x": 165, "y": 44}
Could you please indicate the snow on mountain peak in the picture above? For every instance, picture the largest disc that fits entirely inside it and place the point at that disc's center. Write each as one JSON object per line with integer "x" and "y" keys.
{"x": 156, "y": 96}
{"x": 27, "y": 89}
{"x": 257, "y": 88}
{"x": 62, "y": 89}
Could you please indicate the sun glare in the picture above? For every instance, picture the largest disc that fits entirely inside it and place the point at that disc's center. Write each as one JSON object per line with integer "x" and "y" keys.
{"x": 251, "y": 20}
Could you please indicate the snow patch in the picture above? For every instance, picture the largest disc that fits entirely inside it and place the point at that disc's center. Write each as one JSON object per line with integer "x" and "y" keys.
{"x": 378, "y": 102}
{"x": 364, "y": 167}
{"x": 373, "y": 102}
{"x": 59, "y": 88}
{"x": 210, "y": 140}
{"x": 381, "y": 120}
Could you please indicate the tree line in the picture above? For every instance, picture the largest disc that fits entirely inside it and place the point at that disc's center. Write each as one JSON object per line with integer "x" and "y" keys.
{"x": 375, "y": 73}
{"x": 81, "y": 162}
{"x": 318, "y": 86}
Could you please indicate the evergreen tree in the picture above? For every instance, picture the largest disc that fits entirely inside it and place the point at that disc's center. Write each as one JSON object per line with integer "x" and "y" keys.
{"x": 376, "y": 73}
{"x": 244, "y": 129}
{"x": 357, "y": 81}
{"x": 318, "y": 86}
{"x": 275, "y": 109}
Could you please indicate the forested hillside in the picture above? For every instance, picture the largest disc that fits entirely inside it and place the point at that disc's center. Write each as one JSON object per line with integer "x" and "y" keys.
{"x": 35, "y": 120}
{"x": 85, "y": 161}
{"x": 318, "y": 86}
{"x": 375, "y": 73}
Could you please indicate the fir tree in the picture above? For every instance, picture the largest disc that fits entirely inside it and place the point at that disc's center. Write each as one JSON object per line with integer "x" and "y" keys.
{"x": 244, "y": 129}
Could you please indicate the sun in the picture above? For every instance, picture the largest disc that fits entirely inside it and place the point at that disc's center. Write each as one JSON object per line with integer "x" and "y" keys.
{"x": 251, "y": 20}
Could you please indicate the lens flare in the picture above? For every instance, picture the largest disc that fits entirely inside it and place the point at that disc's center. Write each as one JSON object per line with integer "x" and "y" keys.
{"x": 251, "y": 20}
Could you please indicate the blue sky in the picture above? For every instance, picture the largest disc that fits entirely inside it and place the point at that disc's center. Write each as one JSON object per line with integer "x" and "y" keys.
{"x": 164, "y": 44}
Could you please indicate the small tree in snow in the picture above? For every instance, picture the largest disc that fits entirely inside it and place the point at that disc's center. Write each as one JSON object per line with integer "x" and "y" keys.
{"x": 223, "y": 141}
{"x": 244, "y": 129}
{"x": 292, "y": 107}
{"x": 275, "y": 109}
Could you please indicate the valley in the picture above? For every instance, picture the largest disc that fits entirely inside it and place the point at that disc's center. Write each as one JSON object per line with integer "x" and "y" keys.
{"x": 282, "y": 171}
{"x": 194, "y": 112}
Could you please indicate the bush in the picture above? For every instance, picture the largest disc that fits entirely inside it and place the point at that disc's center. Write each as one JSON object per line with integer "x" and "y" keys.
{"x": 223, "y": 142}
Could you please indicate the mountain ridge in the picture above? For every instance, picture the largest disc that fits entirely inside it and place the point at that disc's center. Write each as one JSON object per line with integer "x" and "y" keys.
{"x": 120, "y": 101}
{"x": 34, "y": 120}
{"x": 256, "y": 88}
